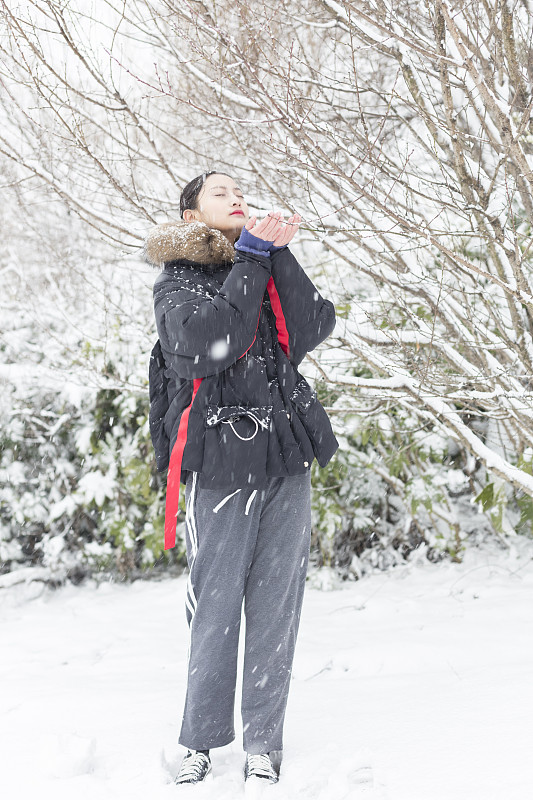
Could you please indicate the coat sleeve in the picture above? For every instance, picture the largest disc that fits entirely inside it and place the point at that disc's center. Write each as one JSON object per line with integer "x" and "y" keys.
{"x": 309, "y": 318}
{"x": 203, "y": 335}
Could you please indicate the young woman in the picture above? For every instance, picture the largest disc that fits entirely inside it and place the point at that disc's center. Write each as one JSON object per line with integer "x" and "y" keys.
{"x": 240, "y": 426}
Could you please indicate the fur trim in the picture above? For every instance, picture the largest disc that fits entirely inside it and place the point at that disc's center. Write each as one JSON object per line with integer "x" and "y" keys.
{"x": 193, "y": 241}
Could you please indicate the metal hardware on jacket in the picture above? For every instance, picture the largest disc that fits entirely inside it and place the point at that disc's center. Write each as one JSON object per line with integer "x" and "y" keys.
{"x": 234, "y": 334}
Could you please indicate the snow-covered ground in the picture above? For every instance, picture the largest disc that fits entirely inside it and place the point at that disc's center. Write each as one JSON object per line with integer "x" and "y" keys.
{"x": 415, "y": 684}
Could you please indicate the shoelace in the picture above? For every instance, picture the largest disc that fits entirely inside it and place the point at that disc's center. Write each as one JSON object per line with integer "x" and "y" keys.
{"x": 192, "y": 767}
{"x": 261, "y": 765}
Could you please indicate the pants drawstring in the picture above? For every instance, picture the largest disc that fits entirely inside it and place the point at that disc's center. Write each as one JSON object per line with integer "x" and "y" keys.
{"x": 249, "y": 503}
{"x": 224, "y": 500}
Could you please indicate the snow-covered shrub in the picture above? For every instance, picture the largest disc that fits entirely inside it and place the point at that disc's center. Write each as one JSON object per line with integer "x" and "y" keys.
{"x": 86, "y": 497}
{"x": 396, "y": 488}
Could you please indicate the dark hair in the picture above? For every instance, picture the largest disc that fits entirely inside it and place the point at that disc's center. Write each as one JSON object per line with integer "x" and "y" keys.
{"x": 189, "y": 195}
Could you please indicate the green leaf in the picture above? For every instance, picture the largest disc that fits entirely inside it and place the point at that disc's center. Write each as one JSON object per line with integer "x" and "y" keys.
{"x": 486, "y": 497}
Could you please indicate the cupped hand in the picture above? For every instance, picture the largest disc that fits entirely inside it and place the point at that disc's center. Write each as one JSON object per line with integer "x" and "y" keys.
{"x": 273, "y": 228}
{"x": 288, "y": 231}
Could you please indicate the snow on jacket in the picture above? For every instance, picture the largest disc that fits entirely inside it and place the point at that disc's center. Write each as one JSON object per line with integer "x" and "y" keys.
{"x": 233, "y": 328}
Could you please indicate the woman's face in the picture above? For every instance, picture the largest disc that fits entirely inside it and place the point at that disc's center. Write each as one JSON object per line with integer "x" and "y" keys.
{"x": 220, "y": 205}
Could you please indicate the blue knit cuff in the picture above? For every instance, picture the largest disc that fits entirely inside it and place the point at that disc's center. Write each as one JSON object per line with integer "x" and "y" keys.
{"x": 252, "y": 244}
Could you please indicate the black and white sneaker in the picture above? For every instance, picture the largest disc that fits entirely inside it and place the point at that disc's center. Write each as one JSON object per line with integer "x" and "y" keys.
{"x": 195, "y": 767}
{"x": 260, "y": 766}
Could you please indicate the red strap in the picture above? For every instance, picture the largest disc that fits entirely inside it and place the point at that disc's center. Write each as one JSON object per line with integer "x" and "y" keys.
{"x": 281, "y": 325}
{"x": 174, "y": 473}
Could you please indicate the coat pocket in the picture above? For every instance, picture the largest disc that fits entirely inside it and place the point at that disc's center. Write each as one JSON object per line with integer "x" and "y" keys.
{"x": 236, "y": 442}
{"x": 315, "y": 421}
{"x": 303, "y": 396}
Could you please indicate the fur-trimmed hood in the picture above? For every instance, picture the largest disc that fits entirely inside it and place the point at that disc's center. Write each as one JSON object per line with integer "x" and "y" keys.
{"x": 193, "y": 241}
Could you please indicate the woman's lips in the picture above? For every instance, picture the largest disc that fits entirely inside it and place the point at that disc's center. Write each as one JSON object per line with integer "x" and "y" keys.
{"x": 240, "y": 213}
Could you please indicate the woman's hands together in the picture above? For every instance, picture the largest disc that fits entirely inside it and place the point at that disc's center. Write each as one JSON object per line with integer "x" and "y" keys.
{"x": 273, "y": 228}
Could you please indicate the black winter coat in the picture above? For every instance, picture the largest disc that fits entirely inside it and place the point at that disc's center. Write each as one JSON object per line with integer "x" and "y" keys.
{"x": 243, "y": 328}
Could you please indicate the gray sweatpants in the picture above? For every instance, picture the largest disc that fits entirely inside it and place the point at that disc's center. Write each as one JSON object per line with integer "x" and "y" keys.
{"x": 252, "y": 545}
